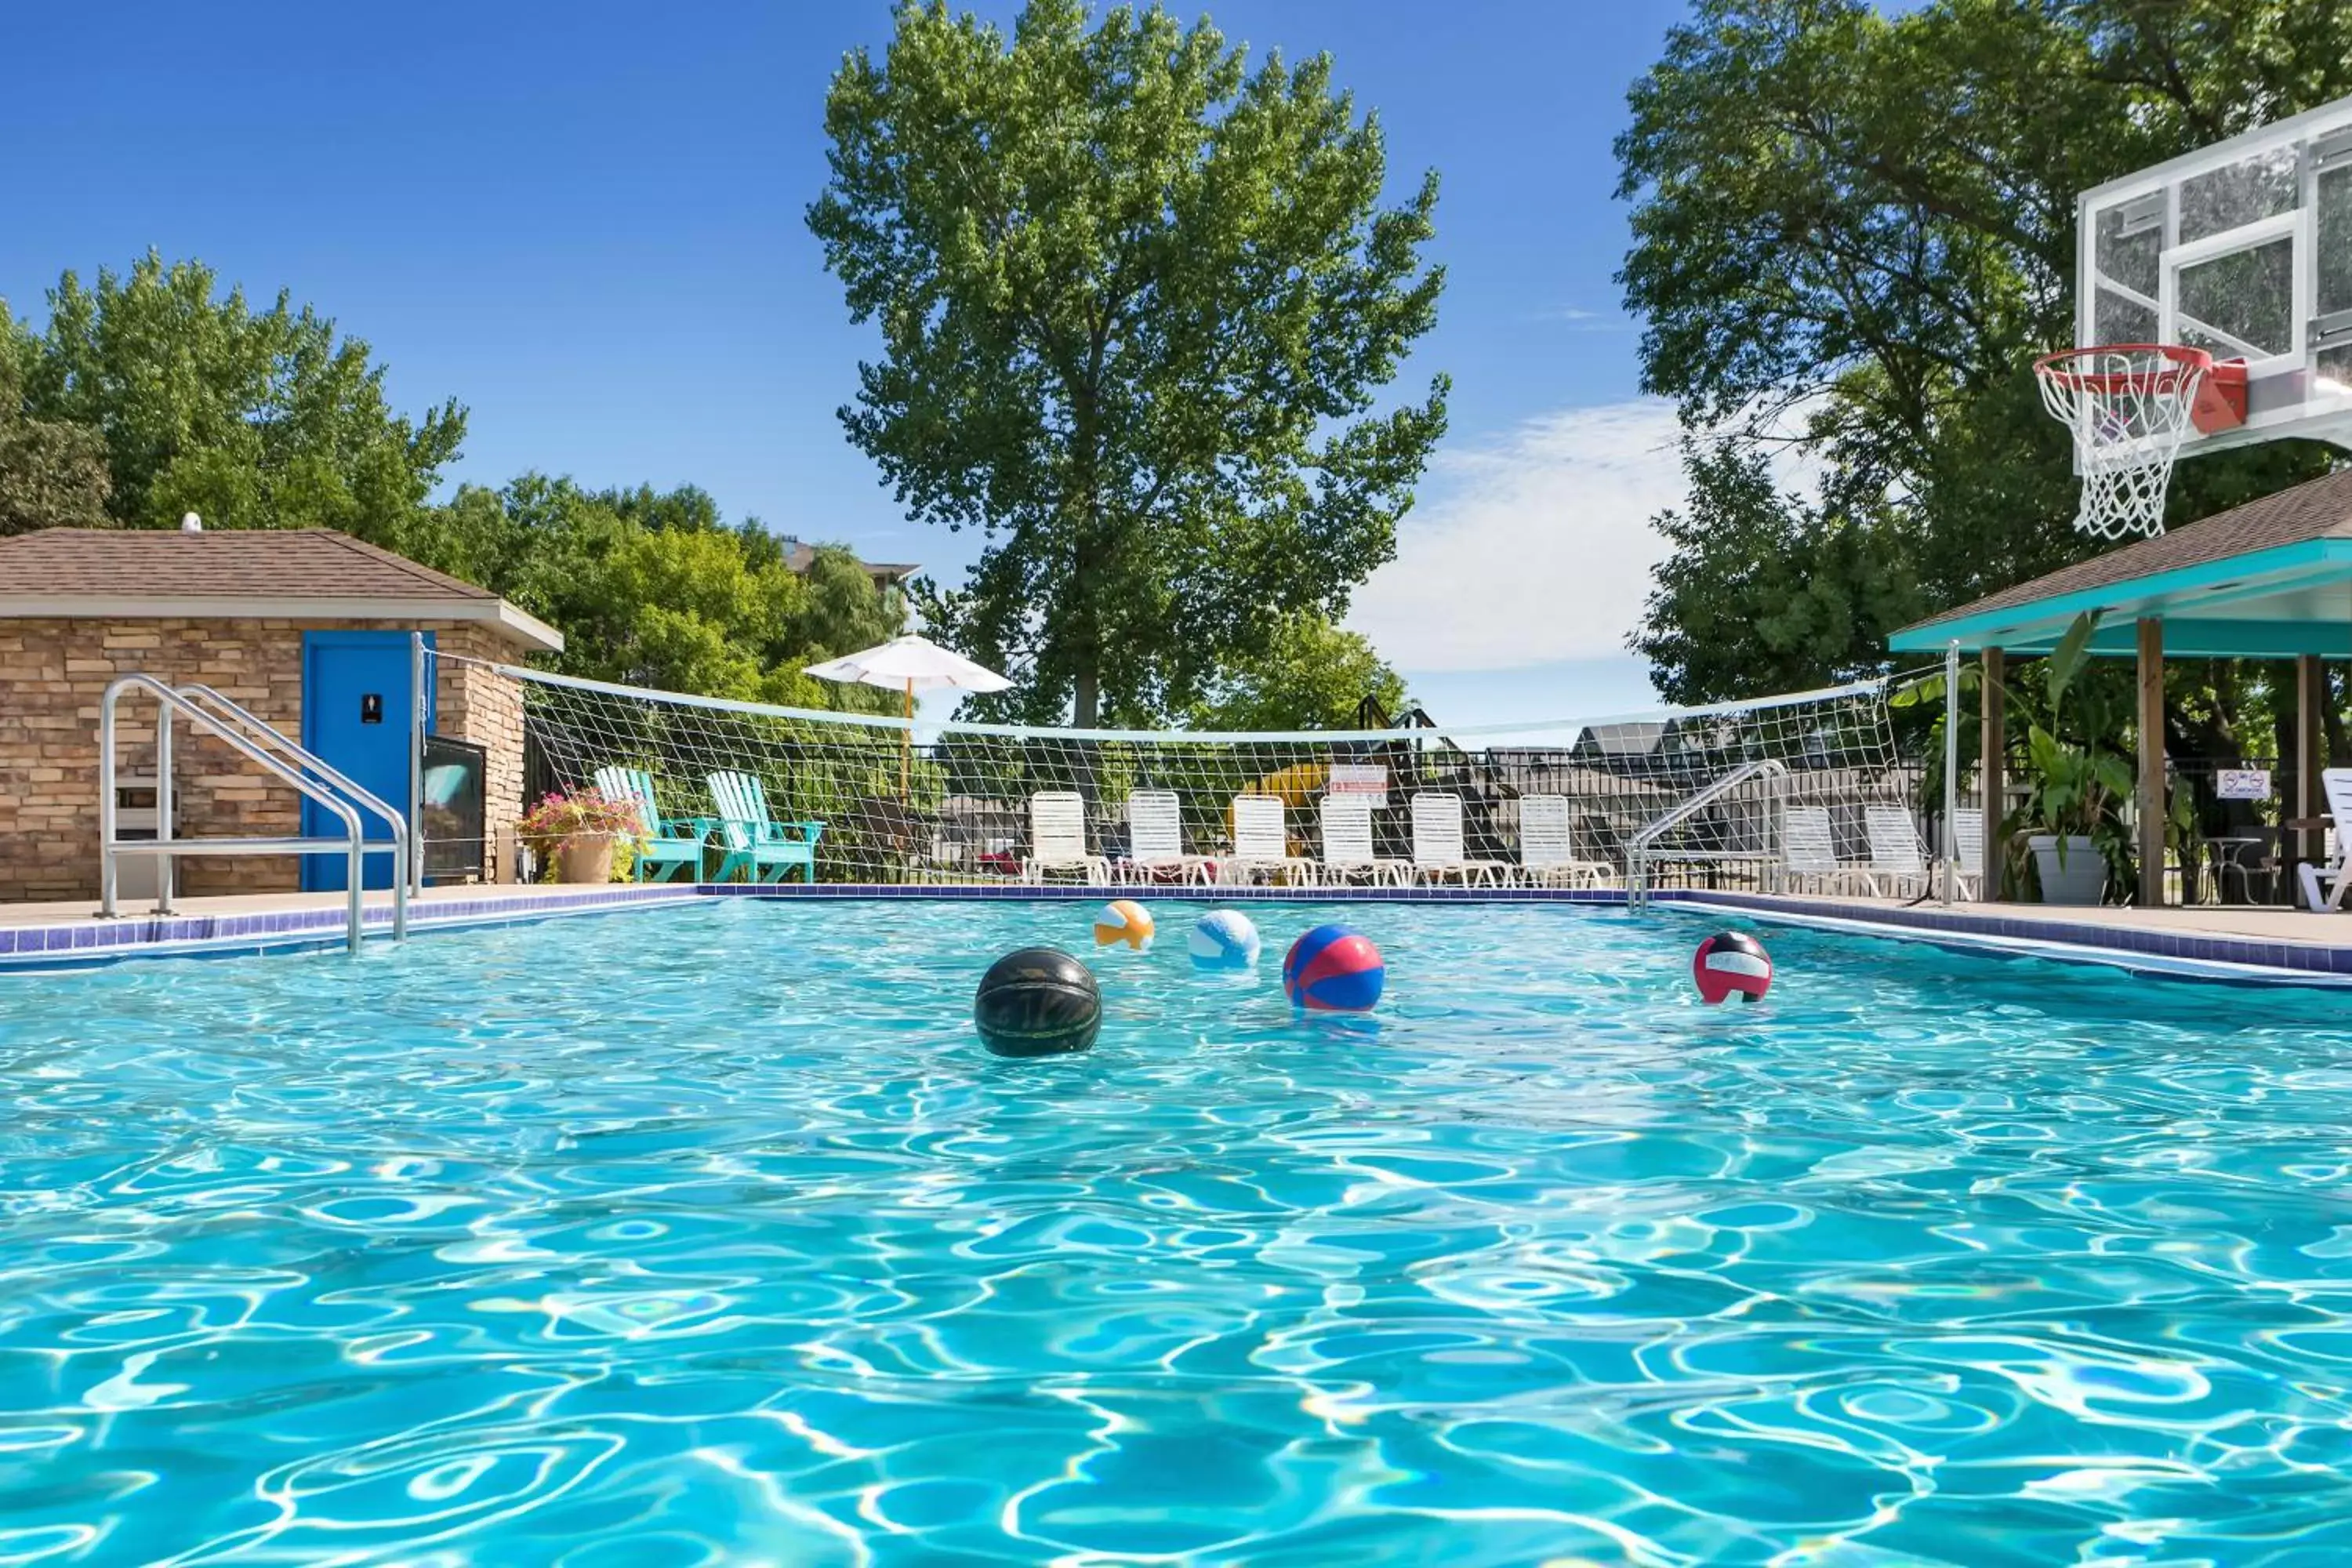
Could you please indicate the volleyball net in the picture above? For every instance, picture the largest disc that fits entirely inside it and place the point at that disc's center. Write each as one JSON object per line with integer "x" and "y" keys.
{"x": 1673, "y": 795}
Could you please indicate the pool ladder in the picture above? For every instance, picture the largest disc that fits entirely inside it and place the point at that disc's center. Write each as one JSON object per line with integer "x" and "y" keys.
{"x": 1644, "y": 844}
{"x": 266, "y": 748}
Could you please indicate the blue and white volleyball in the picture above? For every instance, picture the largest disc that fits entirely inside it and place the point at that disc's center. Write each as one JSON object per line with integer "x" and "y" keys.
{"x": 1224, "y": 940}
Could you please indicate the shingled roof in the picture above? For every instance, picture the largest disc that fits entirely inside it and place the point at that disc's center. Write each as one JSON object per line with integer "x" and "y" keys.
{"x": 800, "y": 555}
{"x": 2320, "y": 508}
{"x": 232, "y": 572}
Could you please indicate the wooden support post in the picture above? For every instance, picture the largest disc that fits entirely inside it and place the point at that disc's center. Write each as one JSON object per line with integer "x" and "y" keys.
{"x": 1992, "y": 752}
{"x": 2151, "y": 792}
{"x": 2310, "y": 756}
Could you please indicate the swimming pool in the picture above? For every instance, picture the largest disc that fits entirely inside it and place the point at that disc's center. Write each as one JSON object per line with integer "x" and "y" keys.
{"x": 710, "y": 1234}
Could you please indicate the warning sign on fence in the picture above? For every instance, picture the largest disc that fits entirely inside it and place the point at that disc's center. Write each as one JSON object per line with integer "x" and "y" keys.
{"x": 1369, "y": 779}
{"x": 2243, "y": 784}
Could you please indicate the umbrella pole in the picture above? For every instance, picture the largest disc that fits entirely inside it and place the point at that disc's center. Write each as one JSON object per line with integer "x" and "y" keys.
{"x": 907, "y": 741}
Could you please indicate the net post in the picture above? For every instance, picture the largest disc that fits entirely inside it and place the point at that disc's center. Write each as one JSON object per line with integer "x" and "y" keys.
{"x": 1992, "y": 756}
{"x": 413, "y": 872}
{"x": 1952, "y": 769}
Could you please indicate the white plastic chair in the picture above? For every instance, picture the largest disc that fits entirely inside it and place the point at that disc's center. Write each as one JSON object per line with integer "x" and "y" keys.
{"x": 1156, "y": 836}
{"x": 1261, "y": 843}
{"x": 1898, "y": 861}
{"x": 1348, "y": 851}
{"x": 2325, "y": 889}
{"x": 1548, "y": 847}
{"x": 1058, "y": 839}
{"x": 1809, "y": 853}
{"x": 1968, "y": 844}
{"x": 1437, "y": 844}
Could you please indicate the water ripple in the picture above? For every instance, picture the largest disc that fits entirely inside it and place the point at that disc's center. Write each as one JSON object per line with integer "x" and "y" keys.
{"x": 708, "y": 1235}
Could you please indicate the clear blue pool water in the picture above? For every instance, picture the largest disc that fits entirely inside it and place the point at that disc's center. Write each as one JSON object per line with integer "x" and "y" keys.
{"x": 710, "y": 1234}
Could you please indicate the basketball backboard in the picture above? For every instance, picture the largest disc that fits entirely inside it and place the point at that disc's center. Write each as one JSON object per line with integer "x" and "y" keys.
{"x": 2243, "y": 249}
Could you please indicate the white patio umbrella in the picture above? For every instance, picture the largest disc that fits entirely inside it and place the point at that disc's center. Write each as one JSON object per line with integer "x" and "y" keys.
{"x": 911, "y": 664}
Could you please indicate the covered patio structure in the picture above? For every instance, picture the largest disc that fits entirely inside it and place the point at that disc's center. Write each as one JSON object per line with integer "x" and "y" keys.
{"x": 2270, "y": 579}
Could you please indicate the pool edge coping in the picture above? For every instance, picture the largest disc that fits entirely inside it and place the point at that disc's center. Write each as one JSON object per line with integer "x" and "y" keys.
{"x": 92, "y": 942}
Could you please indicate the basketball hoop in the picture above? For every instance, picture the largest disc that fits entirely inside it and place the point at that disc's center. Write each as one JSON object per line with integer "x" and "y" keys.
{"x": 2130, "y": 406}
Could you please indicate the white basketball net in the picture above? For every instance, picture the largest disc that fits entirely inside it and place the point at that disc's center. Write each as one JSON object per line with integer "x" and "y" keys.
{"x": 2129, "y": 409}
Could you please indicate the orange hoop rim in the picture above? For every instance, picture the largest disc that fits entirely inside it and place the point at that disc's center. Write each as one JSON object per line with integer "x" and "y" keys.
{"x": 2184, "y": 369}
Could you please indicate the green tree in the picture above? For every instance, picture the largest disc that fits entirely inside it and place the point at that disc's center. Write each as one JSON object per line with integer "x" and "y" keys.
{"x": 1854, "y": 231}
{"x": 1312, "y": 676}
{"x": 257, "y": 419}
{"x": 52, "y": 473}
{"x": 1137, "y": 303}
{"x": 654, "y": 589}
{"x": 1766, "y": 591}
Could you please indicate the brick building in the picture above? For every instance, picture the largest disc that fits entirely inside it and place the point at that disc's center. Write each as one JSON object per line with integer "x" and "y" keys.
{"x": 308, "y": 628}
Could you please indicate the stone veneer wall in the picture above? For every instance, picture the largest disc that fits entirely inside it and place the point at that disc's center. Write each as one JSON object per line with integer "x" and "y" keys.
{"x": 53, "y": 673}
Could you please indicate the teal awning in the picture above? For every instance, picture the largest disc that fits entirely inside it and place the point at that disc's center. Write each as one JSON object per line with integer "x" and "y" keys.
{"x": 2270, "y": 579}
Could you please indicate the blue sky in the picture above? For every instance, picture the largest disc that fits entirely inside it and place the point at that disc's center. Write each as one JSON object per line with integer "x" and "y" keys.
{"x": 585, "y": 223}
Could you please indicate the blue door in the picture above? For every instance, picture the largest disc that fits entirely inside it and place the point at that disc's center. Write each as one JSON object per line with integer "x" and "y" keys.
{"x": 355, "y": 707}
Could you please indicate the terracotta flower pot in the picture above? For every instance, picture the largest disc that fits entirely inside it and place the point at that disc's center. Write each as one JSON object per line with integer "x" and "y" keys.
{"x": 587, "y": 859}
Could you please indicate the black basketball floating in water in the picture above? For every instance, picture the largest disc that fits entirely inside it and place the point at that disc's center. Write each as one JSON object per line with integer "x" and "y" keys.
{"x": 1038, "y": 1001}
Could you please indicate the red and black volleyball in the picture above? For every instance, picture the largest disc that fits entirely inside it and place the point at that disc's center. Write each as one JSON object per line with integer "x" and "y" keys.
{"x": 1731, "y": 963}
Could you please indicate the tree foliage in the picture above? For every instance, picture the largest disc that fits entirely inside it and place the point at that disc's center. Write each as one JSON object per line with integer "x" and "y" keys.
{"x": 205, "y": 405}
{"x": 1853, "y": 232}
{"x": 52, "y": 473}
{"x": 1137, "y": 302}
{"x": 148, "y": 396}
{"x": 1312, "y": 676}
{"x": 654, "y": 589}
{"x": 1763, "y": 591}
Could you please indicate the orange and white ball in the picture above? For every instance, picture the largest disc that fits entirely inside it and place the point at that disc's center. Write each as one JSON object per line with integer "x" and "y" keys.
{"x": 1123, "y": 920}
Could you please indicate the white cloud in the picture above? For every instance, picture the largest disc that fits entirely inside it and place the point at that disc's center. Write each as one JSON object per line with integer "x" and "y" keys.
{"x": 1533, "y": 548}
{"x": 1577, "y": 319}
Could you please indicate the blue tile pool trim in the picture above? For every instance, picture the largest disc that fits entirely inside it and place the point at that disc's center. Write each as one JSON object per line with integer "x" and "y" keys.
{"x": 81, "y": 943}
{"x": 84, "y": 942}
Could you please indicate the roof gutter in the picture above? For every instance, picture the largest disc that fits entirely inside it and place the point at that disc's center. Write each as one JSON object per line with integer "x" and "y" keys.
{"x": 527, "y": 631}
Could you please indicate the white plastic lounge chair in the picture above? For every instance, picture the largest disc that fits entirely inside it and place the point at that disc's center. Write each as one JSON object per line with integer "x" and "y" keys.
{"x": 1898, "y": 861}
{"x": 1156, "y": 838}
{"x": 1967, "y": 841}
{"x": 1058, "y": 839}
{"x": 1547, "y": 855}
{"x": 1809, "y": 853}
{"x": 1437, "y": 844}
{"x": 2326, "y": 889}
{"x": 1347, "y": 854}
{"x": 1261, "y": 843}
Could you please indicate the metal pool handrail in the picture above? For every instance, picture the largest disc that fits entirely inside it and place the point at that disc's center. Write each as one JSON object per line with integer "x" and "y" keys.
{"x": 1637, "y": 881}
{"x": 365, "y": 799}
{"x": 167, "y": 849}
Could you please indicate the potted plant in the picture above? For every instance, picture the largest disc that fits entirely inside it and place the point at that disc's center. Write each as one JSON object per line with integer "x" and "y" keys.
{"x": 2070, "y": 821}
{"x": 579, "y": 830}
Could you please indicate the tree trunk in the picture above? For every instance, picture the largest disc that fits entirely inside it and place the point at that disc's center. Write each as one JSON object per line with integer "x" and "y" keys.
{"x": 1087, "y": 702}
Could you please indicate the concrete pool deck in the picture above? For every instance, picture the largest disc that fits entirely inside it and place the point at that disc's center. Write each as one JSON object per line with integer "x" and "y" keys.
{"x": 2264, "y": 944}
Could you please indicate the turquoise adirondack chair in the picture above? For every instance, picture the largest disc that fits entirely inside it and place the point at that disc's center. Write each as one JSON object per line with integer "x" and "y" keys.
{"x": 670, "y": 843}
{"x": 761, "y": 848}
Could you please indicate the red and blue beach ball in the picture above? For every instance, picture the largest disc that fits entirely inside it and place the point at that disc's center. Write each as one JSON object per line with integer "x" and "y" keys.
{"x": 1332, "y": 969}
